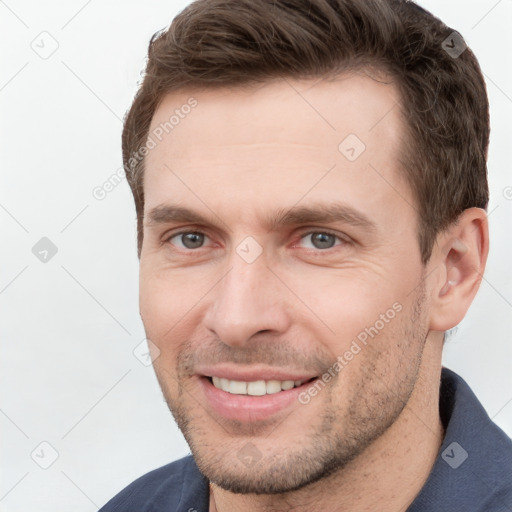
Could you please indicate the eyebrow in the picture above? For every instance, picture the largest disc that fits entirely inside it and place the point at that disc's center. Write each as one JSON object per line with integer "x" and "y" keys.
{"x": 321, "y": 213}
{"x": 297, "y": 215}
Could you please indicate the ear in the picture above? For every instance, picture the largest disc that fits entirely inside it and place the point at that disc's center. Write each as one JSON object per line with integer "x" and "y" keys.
{"x": 458, "y": 262}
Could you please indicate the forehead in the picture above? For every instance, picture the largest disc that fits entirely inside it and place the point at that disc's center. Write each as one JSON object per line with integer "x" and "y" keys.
{"x": 241, "y": 144}
{"x": 349, "y": 103}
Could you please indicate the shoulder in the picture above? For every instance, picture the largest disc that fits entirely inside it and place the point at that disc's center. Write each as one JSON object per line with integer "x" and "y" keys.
{"x": 166, "y": 488}
{"x": 473, "y": 471}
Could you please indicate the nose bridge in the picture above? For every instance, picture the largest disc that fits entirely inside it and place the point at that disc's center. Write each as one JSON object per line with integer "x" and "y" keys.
{"x": 246, "y": 301}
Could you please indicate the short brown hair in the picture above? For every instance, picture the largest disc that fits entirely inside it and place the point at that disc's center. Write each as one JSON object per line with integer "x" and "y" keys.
{"x": 215, "y": 43}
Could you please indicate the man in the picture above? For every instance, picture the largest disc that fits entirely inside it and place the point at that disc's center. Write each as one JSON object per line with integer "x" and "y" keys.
{"x": 310, "y": 184}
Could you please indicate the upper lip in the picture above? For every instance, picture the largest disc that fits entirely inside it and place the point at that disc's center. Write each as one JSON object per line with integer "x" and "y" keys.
{"x": 252, "y": 373}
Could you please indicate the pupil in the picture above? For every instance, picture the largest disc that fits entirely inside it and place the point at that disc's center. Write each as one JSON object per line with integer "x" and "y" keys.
{"x": 192, "y": 240}
{"x": 323, "y": 240}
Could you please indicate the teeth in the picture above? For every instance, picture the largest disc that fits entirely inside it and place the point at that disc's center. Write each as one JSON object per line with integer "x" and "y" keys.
{"x": 224, "y": 384}
{"x": 273, "y": 386}
{"x": 287, "y": 384}
{"x": 258, "y": 388}
{"x": 255, "y": 388}
{"x": 237, "y": 387}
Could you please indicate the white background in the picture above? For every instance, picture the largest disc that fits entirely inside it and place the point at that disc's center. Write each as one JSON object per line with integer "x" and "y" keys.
{"x": 69, "y": 326}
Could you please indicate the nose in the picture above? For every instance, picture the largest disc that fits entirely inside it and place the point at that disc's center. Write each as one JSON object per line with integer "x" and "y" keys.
{"x": 249, "y": 300}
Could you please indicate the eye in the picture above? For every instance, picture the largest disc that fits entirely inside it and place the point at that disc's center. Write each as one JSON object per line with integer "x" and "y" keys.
{"x": 321, "y": 239}
{"x": 188, "y": 239}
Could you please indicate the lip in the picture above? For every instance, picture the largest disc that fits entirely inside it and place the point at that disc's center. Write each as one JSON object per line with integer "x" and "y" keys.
{"x": 252, "y": 373}
{"x": 250, "y": 409}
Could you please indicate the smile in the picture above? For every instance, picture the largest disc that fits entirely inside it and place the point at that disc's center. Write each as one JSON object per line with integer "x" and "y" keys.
{"x": 258, "y": 397}
{"x": 254, "y": 388}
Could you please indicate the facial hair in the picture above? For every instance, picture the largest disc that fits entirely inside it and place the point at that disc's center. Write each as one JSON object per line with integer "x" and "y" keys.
{"x": 387, "y": 375}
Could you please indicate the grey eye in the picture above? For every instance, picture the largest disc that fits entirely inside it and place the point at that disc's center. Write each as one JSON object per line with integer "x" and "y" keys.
{"x": 322, "y": 240}
{"x": 191, "y": 240}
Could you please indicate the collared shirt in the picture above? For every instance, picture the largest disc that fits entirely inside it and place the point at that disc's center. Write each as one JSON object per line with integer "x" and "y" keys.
{"x": 472, "y": 473}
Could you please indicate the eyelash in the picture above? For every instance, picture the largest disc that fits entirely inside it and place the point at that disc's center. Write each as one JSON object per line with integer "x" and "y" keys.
{"x": 342, "y": 239}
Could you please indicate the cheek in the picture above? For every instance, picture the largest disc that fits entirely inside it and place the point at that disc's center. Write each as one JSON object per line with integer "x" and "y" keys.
{"x": 342, "y": 307}
{"x": 163, "y": 311}
{"x": 167, "y": 297}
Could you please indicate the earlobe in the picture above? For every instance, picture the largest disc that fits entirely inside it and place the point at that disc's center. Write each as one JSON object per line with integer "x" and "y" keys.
{"x": 460, "y": 257}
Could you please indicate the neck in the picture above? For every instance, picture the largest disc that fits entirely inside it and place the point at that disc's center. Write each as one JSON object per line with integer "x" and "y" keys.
{"x": 387, "y": 476}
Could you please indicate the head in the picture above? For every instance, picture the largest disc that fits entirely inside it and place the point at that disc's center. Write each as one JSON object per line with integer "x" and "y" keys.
{"x": 310, "y": 186}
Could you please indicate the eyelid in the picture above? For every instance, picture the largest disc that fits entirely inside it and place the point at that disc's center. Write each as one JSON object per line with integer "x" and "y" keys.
{"x": 305, "y": 232}
{"x": 310, "y": 231}
{"x": 199, "y": 231}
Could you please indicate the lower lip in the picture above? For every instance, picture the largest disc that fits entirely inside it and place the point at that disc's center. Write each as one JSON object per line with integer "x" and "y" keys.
{"x": 248, "y": 408}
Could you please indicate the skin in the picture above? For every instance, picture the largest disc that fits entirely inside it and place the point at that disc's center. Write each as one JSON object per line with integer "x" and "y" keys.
{"x": 369, "y": 438}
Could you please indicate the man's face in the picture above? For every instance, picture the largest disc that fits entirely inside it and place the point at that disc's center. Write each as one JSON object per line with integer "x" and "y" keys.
{"x": 264, "y": 292}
